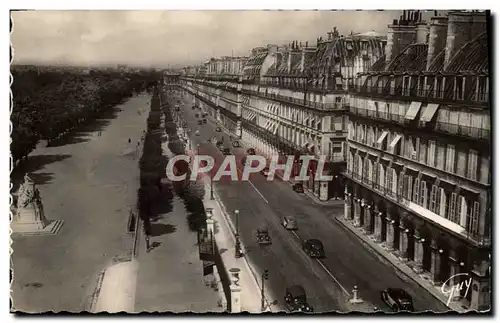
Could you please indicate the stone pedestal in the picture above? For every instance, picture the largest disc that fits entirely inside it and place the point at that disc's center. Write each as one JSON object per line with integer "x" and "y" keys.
{"x": 235, "y": 298}
{"x": 29, "y": 219}
{"x": 480, "y": 289}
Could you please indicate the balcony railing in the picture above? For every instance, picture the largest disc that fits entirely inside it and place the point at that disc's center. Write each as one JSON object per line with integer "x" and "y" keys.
{"x": 398, "y": 198}
{"x": 419, "y": 94}
{"x": 478, "y": 133}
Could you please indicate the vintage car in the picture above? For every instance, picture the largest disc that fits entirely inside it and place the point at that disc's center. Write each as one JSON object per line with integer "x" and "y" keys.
{"x": 265, "y": 171}
{"x": 289, "y": 222}
{"x": 177, "y": 108}
{"x": 218, "y": 129}
{"x": 263, "y": 235}
{"x": 236, "y": 144}
{"x": 197, "y": 133}
{"x": 200, "y": 122}
{"x": 296, "y": 299}
{"x": 194, "y": 107}
{"x": 397, "y": 299}
{"x": 298, "y": 187}
{"x": 226, "y": 151}
{"x": 313, "y": 248}
{"x": 204, "y": 121}
{"x": 251, "y": 151}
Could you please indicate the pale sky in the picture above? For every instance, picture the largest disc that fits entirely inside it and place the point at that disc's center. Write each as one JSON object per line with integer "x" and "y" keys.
{"x": 175, "y": 38}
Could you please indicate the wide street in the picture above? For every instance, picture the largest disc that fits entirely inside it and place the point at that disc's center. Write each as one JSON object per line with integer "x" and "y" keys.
{"x": 328, "y": 282}
{"x": 90, "y": 182}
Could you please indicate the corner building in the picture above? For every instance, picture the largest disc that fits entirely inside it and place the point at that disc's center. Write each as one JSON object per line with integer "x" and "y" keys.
{"x": 419, "y": 150}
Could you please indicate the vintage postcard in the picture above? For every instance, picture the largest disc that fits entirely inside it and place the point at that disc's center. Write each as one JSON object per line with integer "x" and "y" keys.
{"x": 251, "y": 161}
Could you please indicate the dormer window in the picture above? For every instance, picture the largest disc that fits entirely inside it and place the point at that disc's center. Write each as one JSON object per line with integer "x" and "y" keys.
{"x": 459, "y": 87}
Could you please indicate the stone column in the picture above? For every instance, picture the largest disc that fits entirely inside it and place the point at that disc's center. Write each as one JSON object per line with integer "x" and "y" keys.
{"x": 436, "y": 254}
{"x": 403, "y": 241}
{"x": 323, "y": 191}
{"x": 378, "y": 226}
{"x": 390, "y": 232}
{"x": 357, "y": 212}
{"x": 347, "y": 206}
{"x": 235, "y": 298}
{"x": 368, "y": 219}
{"x": 419, "y": 253}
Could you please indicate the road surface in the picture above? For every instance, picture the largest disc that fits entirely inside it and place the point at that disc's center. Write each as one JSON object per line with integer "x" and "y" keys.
{"x": 328, "y": 282}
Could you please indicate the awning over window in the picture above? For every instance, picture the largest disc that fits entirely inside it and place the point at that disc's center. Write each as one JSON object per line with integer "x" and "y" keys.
{"x": 395, "y": 141}
{"x": 429, "y": 112}
{"x": 382, "y": 137}
{"x": 413, "y": 110}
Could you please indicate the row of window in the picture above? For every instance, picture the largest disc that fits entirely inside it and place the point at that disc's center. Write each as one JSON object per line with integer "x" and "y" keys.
{"x": 433, "y": 153}
{"x": 438, "y": 200}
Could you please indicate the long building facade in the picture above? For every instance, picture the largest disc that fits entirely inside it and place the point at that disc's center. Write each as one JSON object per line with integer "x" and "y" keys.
{"x": 404, "y": 120}
{"x": 419, "y": 151}
{"x": 292, "y": 99}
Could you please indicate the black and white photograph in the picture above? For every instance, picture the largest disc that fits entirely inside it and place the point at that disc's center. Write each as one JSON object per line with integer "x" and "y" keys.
{"x": 278, "y": 162}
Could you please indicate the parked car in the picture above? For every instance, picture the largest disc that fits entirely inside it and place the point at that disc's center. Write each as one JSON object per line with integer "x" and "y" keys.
{"x": 313, "y": 248}
{"x": 177, "y": 108}
{"x": 263, "y": 235}
{"x": 197, "y": 133}
{"x": 194, "y": 107}
{"x": 200, "y": 122}
{"x": 218, "y": 129}
{"x": 265, "y": 171}
{"x": 251, "y": 151}
{"x": 298, "y": 187}
{"x": 296, "y": 299}
{"x": 196, "y": 115}
{"x": 289, "y": 223}
{"x": 204, "y": 121}
{"x": 219, "y": 143}
{"x": 236, "y": 144}
{"x": 226, "y": 151}
{"x": 397, "y": 299}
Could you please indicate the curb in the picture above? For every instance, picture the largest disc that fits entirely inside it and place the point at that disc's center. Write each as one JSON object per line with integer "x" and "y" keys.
{"x": 399, "y": 272}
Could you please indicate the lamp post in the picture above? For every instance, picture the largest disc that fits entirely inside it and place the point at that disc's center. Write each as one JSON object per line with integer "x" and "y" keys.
{"x": 211, "y": 185}
{"x": 237, "y": 247}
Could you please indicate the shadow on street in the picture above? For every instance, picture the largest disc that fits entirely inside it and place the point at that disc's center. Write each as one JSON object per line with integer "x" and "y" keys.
{"x": 159, "y": 229}
{"x": 80, "y": 133}
{"x": 33, "y": 164}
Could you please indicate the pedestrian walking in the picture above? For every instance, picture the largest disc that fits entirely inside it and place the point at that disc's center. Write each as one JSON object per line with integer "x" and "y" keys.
{"x": 146, "y": 225}
{"x": 129, "y": 140}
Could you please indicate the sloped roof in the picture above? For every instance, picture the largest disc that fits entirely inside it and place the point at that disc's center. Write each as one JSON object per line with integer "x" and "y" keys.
{"x": 472, "y": 57}
{"x": 412, "y": 58}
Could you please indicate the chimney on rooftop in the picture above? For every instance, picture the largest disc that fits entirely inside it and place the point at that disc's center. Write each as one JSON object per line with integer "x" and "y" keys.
{"x": 437, "y": 38}
{"x": 399, "y": 36}
{"x": 462, "y": 28}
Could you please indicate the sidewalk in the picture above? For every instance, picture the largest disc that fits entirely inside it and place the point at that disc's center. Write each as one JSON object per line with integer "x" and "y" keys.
{"x": 224, "y": 236}
{"x": 170, "y": 276}
{"x": 403, "y": 267}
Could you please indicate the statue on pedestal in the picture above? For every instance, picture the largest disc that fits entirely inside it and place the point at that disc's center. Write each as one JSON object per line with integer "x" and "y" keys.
{"x": 29, "y": 207}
